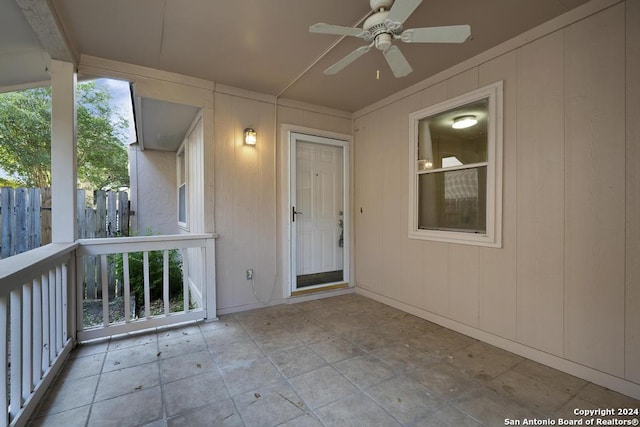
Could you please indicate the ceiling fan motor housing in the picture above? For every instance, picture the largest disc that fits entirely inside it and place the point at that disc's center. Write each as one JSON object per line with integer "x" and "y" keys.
{"x": 380, "y": 4}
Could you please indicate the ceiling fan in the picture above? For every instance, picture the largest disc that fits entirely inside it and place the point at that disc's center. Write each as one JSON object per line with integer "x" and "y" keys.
{"x": 384, "y": 25}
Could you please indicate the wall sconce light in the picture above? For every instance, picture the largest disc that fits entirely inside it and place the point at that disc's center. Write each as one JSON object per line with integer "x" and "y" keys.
{"x": 463, "y": 122}
{"x": 250, "y": 136}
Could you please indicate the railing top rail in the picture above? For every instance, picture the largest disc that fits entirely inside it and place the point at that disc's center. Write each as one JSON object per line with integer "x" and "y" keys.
{"x": 143, "y": 243}
{"x": 146, "y": 239}
{"x": 27, "y": 265}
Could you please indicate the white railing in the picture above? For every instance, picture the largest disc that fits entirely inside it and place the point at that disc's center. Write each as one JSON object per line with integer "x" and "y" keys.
{"x": 198, "y": 270}
{"x": 41, "y": 307}
{"x": 34, "y": 291}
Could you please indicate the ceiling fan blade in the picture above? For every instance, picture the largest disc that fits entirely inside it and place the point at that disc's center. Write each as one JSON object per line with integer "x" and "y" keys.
{"x": 338, "y": 66}
{"x": 401, "y": 10}
{"x": 448, "y": 34}
{"x": 337, "y": 30}
{"x": 398, "y": 63}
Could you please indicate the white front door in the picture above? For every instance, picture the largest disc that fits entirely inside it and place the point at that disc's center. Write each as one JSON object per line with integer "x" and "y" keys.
{"x": 317, "y": 211}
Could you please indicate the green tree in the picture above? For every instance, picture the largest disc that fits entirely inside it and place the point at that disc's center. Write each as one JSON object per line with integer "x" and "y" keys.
{"x": 25, "y": 138}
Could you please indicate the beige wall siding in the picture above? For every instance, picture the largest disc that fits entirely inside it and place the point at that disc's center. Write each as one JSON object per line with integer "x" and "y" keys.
{"x": 558, "y": 283}
{"x": 594, "y": 198}
{"x": 497, "y": 287}
{"x": 632, "y": 296}
{"x": 248, "y": 198}
{"x": 540, "y": 194}
{"x": 245, "y": 200}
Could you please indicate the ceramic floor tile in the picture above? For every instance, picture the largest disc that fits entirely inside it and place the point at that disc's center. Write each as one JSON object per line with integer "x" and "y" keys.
{"x": 235, "y": 353}
{"x": 187, "y": 365}
{"x": 224, "y": 333}
{"x": 128, "y": 380}
{"x": 402, "y": 358}
{"x": 141, "y": 407}
{"x": 536, "y": 395}
{"x": 221, "y": 414}
{"x": 349, "y": 360}
{"x": 89, "y": 349}
{"x": 355, "y": 411}
{"x": 306, "y": 420}
{"x": 484, "y": 361}
{"x": 364, "y": 371}
{"x": 179, "y": 345}
{"x": 445, "y": 415}
{"x": 131, "y": 356}
{"x": 297, "y": 361}
{"x": 441, "y": 342}
{"x": 322, "y": 386}
{"x": 172, "y": 332}
{"x": 278, "y": 341}
{"x": 550, "y": 376}
{"x": 194, "y": 392}
{"x": 335, "y": 349}
{"x": 65, "y": 395}
{"x": 132, "y": 340}
{"x": 406, "y": 400}
{"x": 71, "y": 418}
{"x": 270, "y": 406}
{"x": 81, "y": 367}
{"x": 604, "y": 397}
{"x": 443, "y": 379}
{"x": 490, "y": 408}
{"x": 250, "y": 374}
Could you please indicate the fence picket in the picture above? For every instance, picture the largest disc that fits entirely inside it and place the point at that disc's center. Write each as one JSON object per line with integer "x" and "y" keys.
{"x": 25, "y": 217}
{"x": 6, "y": 204}
{"x": 35, "y": 221}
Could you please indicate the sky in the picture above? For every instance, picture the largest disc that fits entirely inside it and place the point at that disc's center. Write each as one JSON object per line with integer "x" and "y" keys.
{"x": 121, "y": 102}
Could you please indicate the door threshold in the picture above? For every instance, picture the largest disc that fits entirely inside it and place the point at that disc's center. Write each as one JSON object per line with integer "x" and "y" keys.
{"x": 333, "y": 287}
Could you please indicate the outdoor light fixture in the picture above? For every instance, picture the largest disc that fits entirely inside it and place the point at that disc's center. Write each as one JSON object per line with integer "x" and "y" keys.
{"x": 250, "y": 136}
{"x": 463, "y": 122}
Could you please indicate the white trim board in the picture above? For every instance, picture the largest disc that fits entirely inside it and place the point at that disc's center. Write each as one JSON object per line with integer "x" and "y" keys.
{"x": 589, "y": 374}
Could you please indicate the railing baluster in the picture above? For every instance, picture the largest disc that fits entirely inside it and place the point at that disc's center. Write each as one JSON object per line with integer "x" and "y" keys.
{"x": 64, "y": 286}
{"x": 37, "y": 333}
{"x": 27, "y": 328}
{"x": 165, "y": 280}
{"x": 127, "y": 287}
{"x": 52, "y": 317}
{"x": 4, "y": 363}
{"x": 46, "y": 320}
{"x": 105, "y": 290}
{"x": 59, "y": 324}
{"x": 15, "y": 305}
{"x": 185, "y": 278}
{"x": 147, "y": 296}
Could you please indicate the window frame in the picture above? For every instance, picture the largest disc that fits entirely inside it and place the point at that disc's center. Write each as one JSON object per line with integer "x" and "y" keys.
{"x": 182, "y": 171}
{"x": 493, "y": 235}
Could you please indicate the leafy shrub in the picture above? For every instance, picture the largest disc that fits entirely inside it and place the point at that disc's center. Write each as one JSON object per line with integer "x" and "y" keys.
{"x": 136, "y": 274}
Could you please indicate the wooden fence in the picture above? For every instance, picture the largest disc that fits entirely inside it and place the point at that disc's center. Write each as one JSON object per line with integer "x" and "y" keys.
{"x": 25, "y": 219}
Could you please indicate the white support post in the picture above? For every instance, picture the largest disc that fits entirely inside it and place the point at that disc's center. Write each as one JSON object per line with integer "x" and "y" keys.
{"x": 209, "y": 259}
{"x": 63, "y": 152}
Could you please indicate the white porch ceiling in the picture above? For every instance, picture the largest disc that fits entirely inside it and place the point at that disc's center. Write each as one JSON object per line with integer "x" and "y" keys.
{"x": 264, "y": 45}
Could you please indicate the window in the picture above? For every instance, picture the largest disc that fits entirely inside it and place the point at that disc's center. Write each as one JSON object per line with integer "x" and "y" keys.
{"x": 456, "y": 169}
{"x": 182, "y": 189}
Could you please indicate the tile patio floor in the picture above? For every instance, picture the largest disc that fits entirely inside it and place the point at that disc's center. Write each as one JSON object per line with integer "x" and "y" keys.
{"x": 341, "y": 361}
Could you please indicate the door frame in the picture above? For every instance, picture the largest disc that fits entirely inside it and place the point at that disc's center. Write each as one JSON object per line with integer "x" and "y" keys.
{"x": 288, "y": 172}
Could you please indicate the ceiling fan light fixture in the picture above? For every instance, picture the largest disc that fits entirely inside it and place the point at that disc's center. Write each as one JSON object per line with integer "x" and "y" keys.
{"x": 463, "y": 122}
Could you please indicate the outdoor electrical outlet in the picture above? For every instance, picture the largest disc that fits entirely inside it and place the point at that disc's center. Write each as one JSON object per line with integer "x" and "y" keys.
{"x": 250, "y": 274}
